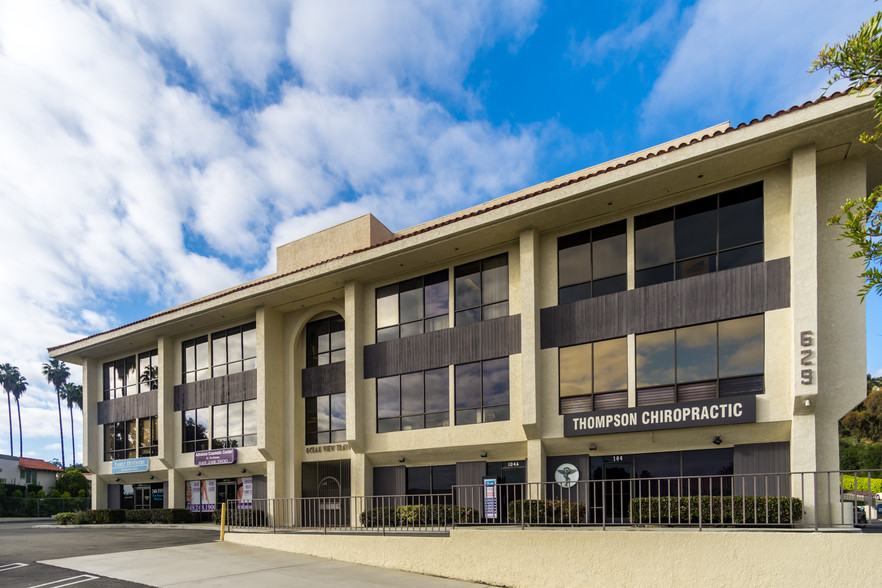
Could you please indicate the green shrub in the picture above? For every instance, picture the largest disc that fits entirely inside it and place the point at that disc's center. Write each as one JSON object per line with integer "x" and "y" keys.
{"x": 418, "y": 515}
{"x": 727, "y": 510}
{"x": 139, "y": 516}
{"x": 848, "y": 483}
{"x": 546, "y": 511}
{"x": 65, "y": 518}
{"x": 106, "y": 517}
{"x": 80, "y": 518}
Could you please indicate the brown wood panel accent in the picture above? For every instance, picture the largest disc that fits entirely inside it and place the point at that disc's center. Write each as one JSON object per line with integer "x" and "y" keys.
{"x": 742, "y": 291}
{"x": 137, "y": 406}
{"x": 219, "y": 390}
{"x": 323, "y": 379}
{"x": 484, "y": 340}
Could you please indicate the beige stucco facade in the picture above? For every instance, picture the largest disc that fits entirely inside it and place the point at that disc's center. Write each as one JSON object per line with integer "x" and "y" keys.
{"x": 808, "y": 161}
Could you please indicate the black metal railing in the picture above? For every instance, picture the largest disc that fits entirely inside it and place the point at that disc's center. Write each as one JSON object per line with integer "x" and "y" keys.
{"x": 809, "y": 500}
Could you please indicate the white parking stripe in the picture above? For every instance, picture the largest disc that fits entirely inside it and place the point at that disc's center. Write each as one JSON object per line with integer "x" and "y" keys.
{"x": 70, "y": 581}
{"x": 12, "y": 566}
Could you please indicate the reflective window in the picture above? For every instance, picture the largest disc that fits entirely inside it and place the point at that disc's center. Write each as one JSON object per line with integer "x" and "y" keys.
{"x": 196, "y": 427}
{"x": 706, "y": 235}
{"x": 430, "y": 479}
{"x": 325, "y": 341}
{"x": 226, "y": 352}
{"x": 482, "y": 391}
{"x": 417, "y": 400}
{"x": 481, "y": 290}
{"x": 234, "y": 424}
{"x": 129, "y": 439}
{"x": 131, "y": 375}
{"x": 592, "y": 263}
{"x": 412, "y": 307}
{"x": 326, "y": 419}
{"x": 594, "y": 376}
{"x": 701, "y": 362}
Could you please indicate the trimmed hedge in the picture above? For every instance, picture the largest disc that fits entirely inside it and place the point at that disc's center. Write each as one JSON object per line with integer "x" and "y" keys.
{"x": 437, "y": 515}
{"x": 724, "y": 510}
{"x": 546, "y": 511}
{"x": 117, "y": 516}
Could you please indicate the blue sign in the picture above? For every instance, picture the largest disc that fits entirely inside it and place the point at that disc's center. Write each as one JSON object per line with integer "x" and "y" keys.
{"x": 490, "y": 509}
{"x": 129, "y": 466}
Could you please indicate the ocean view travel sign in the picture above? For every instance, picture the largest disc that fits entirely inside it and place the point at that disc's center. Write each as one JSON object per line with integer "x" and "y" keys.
{"x": 701, "y": 413}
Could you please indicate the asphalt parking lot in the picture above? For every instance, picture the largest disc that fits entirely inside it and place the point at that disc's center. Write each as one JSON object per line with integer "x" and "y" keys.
{"x": 24, "y": 543}
{"x": 39, "y": 554}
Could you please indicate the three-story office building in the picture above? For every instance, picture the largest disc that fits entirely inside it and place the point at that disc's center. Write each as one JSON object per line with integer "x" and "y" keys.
{"x": 681, "y": 311}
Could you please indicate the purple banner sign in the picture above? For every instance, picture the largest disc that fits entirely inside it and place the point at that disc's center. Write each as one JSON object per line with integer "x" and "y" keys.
{"x": 214, "y": 457}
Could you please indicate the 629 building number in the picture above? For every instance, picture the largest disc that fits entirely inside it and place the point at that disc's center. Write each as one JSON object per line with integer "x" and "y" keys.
{"x": 807, "y": 357}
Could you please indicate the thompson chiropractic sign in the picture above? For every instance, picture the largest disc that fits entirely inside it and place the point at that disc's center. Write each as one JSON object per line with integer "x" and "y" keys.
{"x": 703, "y": 413}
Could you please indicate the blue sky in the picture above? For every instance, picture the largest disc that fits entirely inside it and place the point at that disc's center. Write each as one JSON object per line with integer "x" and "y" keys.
{"x": 156, "y": 152}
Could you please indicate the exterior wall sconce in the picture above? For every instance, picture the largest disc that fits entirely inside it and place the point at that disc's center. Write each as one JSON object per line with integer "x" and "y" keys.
{"x": 483, "y": 454}
{"x": 198, "y": 474}
{"x": 243, "y": 471}
{"x": 717, "y": 440}
{"x": 116, "y": 480}
{"x": 400, "y": 460}
{"x": 152, "y": 477}
{"x": 592, "y": 447}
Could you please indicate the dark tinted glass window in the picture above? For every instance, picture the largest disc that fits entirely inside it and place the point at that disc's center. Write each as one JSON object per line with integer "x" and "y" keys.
{"x": 412, "y": 307}
{"x": 592, "y": 263}
{"x": 700, "y": 362}
{"x": 413, "y": 401}
{"x": 714, "y": 233}
{"x": 481, "y": 290}
{"x": 482, "y": 391}
{"x": 325, "y": 341}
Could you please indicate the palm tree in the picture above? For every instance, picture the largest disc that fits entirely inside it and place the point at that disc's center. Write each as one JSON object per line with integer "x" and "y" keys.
{"x": 21, "y": 384}
{"x": 8, "y": 375}
{"x": 73, "y": 394}
{"x": 56, "y": 373}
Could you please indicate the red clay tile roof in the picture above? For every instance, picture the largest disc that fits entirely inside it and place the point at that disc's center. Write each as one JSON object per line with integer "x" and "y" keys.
{"x": 27, "y": 463}
{"x": 473, "y": 213}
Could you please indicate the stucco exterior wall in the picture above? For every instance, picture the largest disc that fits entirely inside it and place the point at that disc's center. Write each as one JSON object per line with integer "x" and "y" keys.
{"x": 576, "y": 557}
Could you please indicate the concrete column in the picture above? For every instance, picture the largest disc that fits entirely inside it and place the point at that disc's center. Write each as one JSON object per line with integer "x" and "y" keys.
{"x": 99, "y": 491}
{"x": 176, "y": 492}
{"x": 93, "y": 433}
{"x": 167, "y": 417}
{"x": 535, "y": 467}
{"x": 271, "y": 405}
{"x": 804, "y": 307}
{"x": 359, "y": 472}
{"x": 530, "y": 360}
{"x": 355, "y": 426}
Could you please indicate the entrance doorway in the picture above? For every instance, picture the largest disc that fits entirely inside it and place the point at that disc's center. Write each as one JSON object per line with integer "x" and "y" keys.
{"x": 612, "y": 488}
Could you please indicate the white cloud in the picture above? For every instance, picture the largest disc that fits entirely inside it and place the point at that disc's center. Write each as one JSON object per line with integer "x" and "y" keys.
{"x": 630, "y": 39}
{"x": 383, "y": 45}
{"x": 739, "y": 55}
{"x": 138, "y": 169}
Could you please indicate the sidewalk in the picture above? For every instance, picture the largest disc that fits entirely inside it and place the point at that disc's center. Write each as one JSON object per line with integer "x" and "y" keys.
{"x": 227, "y": 564}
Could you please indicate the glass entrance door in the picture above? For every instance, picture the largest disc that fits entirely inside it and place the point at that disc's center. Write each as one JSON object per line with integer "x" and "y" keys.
{"x": 143, "y": 497}
{"x": 617, "y": 474}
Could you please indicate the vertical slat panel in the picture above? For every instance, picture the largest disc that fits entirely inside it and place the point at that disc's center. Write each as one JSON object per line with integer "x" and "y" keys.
{"x": 741, "y": 291}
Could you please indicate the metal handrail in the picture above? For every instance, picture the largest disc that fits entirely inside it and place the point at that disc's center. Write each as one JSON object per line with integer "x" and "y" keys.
{"x": 812, "y": 500}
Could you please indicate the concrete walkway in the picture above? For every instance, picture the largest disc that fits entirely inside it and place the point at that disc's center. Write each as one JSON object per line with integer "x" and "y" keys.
{"x": 227, "y": 564}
